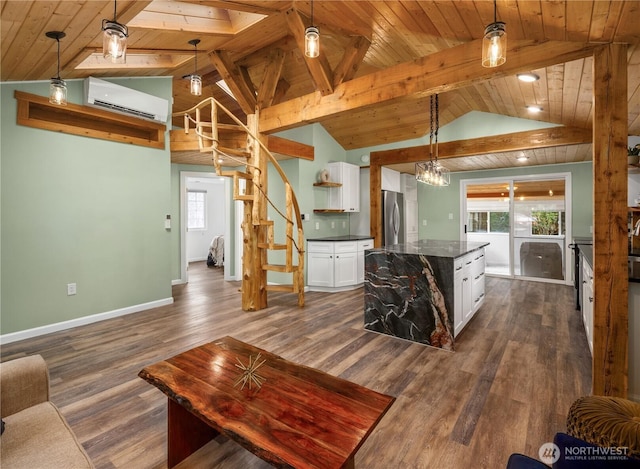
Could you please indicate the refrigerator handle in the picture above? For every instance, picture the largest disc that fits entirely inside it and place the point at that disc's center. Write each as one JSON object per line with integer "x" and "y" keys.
{"x": 396, "y": 219}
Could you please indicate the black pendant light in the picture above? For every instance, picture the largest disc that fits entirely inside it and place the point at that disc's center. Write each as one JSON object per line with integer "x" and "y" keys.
{"x": 57, "y": 87}
{"x": 312, "y": 39}
{"x": 114, "y": 39}
{"x": 196, "y": 80}
{"x": 494, "y": 43}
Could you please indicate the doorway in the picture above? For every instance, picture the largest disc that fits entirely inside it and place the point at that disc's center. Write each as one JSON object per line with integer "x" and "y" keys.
{"x": 525, "y": 220}
{"x": 216, "y": 220}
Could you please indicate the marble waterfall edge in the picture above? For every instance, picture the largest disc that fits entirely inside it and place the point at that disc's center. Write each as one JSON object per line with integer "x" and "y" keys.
{"x": 405, "y": 296}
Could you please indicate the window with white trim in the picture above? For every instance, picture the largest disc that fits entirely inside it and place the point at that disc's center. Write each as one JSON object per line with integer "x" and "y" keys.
{"x": 196, "y": 210}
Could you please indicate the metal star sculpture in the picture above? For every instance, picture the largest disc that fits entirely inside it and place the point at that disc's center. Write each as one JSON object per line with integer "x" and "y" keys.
{"x": 249, "y": 375}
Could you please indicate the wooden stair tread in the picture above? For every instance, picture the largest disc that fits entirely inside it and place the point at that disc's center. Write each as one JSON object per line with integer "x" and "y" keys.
{"x": 282, "y": 288}
{"x": 246, "y": 197}
{"x": 279, "y": 268}
{"x": 275, "y": 246}
{"x": 237, "y": 174}
{"x": 234, "y": 151}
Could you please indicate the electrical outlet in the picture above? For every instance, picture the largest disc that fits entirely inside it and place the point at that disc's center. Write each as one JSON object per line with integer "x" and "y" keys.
{"x": 424, "y": 222}
{"x": 344, "y": 224}
{"x": 71, "y": 289}
{"x": 317, "y": 225}
{"x": 451, "y": 216}
{"x": 333, "y": 224}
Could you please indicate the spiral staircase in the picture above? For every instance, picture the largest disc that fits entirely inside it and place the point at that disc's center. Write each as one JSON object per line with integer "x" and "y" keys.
{"x": 244, "y": 147}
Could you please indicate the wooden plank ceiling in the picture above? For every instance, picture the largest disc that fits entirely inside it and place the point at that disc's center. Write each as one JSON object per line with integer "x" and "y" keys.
{"x": 255, "y": 46}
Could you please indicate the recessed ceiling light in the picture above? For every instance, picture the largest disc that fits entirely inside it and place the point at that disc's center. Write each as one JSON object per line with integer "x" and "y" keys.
{"x": 528, "y": 77}
{"x": 522, "y": 158}
{"x": 534, "y": 109}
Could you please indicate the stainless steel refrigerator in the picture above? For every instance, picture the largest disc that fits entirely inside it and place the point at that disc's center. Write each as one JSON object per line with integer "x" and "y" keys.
{"x": 392, "y": 218}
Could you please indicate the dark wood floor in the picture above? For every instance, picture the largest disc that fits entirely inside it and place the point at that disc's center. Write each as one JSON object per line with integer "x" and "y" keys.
{"x": 518, "y": 367}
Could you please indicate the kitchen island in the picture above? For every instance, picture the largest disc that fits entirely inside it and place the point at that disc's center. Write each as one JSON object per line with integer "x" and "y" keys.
{"x": 425, "y": 291}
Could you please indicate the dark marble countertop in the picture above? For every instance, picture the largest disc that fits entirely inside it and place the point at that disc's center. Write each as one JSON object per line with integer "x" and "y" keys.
{"x": 587, "y": 254}
{"x": 434, "y": 248}
{"x": 342, "y": 238}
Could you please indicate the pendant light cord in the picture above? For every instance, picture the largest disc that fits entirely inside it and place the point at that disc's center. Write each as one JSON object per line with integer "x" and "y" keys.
{"x": 115, "y": 11}
{"x": 58, "y": 41}
{"x": 311, "y": 12}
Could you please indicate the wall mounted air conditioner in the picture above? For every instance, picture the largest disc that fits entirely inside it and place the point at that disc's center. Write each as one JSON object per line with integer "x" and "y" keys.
{"x": 116, "y": 98}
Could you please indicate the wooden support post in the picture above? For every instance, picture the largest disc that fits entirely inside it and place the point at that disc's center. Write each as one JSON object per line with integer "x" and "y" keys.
{"x": 375, "y": 196}
{"x": 611, "y": 281}
{"x": 254, "y": 277}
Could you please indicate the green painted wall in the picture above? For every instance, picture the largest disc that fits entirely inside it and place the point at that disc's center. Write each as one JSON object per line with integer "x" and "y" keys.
{"x": 76, "y": 209}
{"x": 436, "y": 203}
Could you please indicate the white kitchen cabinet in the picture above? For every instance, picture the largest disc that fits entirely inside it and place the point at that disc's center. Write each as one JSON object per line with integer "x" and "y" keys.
{"x": 477, "y": 279}
{"x": 468, "y": 288}
{"x": 363, "y": 245}
{"x": 345, "y": 269}
{"x": 336, "y": 265}
{"x": 587, "y": 302}
{"x": 345, "y": 197}
{"x": 320, "y": 272}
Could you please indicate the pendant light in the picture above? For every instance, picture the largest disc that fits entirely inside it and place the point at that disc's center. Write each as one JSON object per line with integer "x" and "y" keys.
{"x": 196, "y": 80}
{"x": 312, "y": 39}
{"x": 432, "y": 172}
{"x": 114, "y": 39}
{"x": 58, "y": 87}
{"x": 494, "y": 44}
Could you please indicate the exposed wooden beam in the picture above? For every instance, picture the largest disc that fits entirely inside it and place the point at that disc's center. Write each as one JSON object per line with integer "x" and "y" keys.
{"x": 273, "y": 68}
{"x": 319, "y": 67}
{"x": 442, "y": 71}
{"x": 542, "y": 138}
{"x": 238, "y": 80}
{"x": 281, "y": 90}
{"x": 555, "y": 136}
{"x": 611, "y": 280}
{"x": 287, "y": 147}
{"x": 183, "y": 142}
{"x": 351, "y": 59}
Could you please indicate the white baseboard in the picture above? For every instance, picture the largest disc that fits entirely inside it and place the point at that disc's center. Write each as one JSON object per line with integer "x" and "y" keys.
{"x": 60, "y": 326}
{"x": 177, "y": 281}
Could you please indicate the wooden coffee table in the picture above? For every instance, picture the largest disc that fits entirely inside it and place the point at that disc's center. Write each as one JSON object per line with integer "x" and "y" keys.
{"x": 300, "y": 417}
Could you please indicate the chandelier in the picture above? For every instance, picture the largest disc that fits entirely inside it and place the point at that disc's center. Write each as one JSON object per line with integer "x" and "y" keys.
{"x": 432, "y": 172}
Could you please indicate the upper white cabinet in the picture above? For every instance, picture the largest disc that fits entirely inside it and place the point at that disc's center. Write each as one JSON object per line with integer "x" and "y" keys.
{"x": 346, "y": 197}
{"x": 391, "y": 180}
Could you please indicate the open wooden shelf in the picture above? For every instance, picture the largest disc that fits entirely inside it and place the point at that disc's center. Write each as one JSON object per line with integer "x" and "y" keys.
{"x": 328, "y": 210}
{"x": 36, "y": 111}
{"x": 327, "y": 184}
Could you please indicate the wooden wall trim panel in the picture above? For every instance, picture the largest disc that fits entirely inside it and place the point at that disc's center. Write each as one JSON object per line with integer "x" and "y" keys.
{"x": 611, "y": 281}
{"x": 37, "y": 112}
{"x": 442, "y": 71}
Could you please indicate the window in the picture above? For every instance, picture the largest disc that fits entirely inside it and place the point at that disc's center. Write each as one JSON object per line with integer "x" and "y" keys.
{"x": 477, "y": 222}
{"x": 499, "y": 222}
{"x": 547, "y": 223}
{"x": 488, "y": 222}
{"x": 196, "y": 210}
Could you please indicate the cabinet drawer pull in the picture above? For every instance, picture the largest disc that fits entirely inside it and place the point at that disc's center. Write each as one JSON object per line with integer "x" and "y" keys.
{"x": 591, "y": 299}
{"x": 458, "y": 268}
